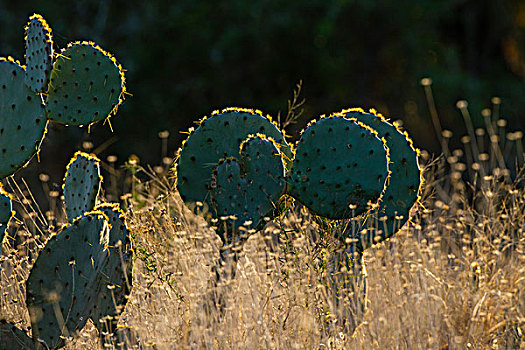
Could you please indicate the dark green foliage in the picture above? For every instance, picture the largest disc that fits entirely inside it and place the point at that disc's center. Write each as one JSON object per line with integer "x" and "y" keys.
{"x": 22, "y": 119}
{"x": 402, "y": 190}
{"x": 13, "y": 338}
{"x": 65, "y": 281}
{"x": 216, "y": 138}
{"x": 117, "y": 275}
{"x": 81, "y": 184}
{"x": 86, "y": 85}
{"x": 248, "y": 188}
{"x": 39, "y": 53}
{"x": 338, "y": 164}
{"x": 6, "y": 213}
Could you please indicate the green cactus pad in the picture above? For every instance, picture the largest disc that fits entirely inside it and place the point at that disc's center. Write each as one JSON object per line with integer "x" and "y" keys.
{"x": 22, "y": 119}
{"x": 338, "y": 163}
{"x": 6, "y": 213}
{"x": 39, "y": 53}
{"x": 216, "y": 138}
{"x": 249, "y": 189}
{"x": 65, "y": 281}
{"x": 86, "y": 85}
{"x": 117, "y": 277}
{"x": 405, "y": 179}
{"x": 13, "y": 338}
{"x": 81, "y": 184}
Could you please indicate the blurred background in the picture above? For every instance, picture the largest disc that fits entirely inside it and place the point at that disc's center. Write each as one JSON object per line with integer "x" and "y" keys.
{"x": 186, "y": 58}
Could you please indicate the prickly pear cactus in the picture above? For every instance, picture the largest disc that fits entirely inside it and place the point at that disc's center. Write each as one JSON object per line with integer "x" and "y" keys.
{"x": 246, "y": 190}
{"x": 86, "y": 85}
{"x": 39, "y": 53}
{"x": 216, "y": 138}
{"x": 6, "y": 213}
{"x": 13, "y": 338}
{"x": 405, "y": 179}
{"x": 22, "y": 118}
{"x": 340, "y": 167}
{"x": 81, "y": 184}
{"x": 65, "y": 282}
{"x": 117, "y": 277}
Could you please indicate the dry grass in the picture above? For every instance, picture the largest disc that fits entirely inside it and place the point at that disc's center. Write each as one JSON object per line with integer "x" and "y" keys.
{"x": 453, "y": 278}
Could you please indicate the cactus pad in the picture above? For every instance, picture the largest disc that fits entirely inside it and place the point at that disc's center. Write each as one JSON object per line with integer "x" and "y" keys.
{"x": 6, "y": 213}
{"x": 117, "y": 278}
{"x": 22, "y": 119}
{"x": 39, "y": 53}
{"x": 338, "y": 163}
{"x": 248, "y": 189}
{"x": 405, "y": 179}
{"x": 216, "y": 138}
{"x": 81, "y": 184}
{"x": 13, "y": 338}
{"x": 86, "y": 85}
{"x": 65, "y": 281}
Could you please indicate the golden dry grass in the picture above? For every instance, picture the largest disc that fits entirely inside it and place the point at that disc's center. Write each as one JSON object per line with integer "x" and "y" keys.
{"x": 452, "y": 278}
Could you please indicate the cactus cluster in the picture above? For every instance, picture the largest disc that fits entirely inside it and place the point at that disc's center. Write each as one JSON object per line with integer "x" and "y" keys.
{"x": 84, "y": 270}
{"x": 204, "y": 181}
{"x": 81, "y": 85}
{"x": 236, "y": 165}
{"x": 344, "y": 165}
